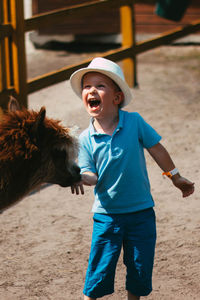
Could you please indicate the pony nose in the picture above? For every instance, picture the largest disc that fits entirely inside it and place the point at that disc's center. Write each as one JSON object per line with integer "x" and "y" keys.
{"x": 77, "y": 169}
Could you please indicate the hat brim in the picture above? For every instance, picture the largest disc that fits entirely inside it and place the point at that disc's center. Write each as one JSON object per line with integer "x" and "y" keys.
{"x": 76, "y": 83}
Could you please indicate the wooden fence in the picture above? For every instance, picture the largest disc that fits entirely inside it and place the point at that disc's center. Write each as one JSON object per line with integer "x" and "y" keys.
{"x": 13, "y": 26}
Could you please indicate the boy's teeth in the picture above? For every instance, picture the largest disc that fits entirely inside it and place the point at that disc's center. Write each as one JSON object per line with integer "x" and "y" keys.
{"x": 94, "y": 103}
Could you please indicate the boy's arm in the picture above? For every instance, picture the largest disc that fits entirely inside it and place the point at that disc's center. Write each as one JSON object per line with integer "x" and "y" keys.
{"x": 87, "y": 178}
{"x": 163, "y": 159}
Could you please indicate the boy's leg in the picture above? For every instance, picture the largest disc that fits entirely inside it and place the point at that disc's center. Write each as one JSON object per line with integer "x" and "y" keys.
{"x": 131, "y": 296}
{"x": 139, "y": 247}
{"x": 105, "y": 250}
{"x": 88, "y": 298}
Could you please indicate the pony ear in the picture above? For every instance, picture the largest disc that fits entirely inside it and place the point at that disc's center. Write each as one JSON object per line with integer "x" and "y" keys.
{"x": 13, "y": 105}
{"x": 40, "y": 118}
{"x": 37, "y": 129}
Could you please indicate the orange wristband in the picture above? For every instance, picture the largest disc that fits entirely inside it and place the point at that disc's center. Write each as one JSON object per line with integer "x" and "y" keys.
{"x": 170, "y": 173}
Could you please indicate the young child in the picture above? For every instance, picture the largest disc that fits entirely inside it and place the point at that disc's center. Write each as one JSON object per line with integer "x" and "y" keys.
{"x": 112, "y": 159}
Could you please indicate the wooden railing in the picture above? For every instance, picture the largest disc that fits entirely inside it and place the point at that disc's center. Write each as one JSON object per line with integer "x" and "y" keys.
{"x": 13, "y": 76}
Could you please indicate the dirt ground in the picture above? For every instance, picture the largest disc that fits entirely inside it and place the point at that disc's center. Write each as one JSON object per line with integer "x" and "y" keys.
{"x": 45, "y": 239}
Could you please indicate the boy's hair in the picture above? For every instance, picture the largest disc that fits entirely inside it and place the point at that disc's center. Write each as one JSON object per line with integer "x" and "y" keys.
{"x": 115, "y": 84}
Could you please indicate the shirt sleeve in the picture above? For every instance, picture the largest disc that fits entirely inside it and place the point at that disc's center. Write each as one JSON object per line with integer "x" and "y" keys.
{"x": 147, "y": 134}
{"x": 85, "y": 158}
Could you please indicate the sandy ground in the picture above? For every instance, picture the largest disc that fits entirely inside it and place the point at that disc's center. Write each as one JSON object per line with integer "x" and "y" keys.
{"x": 45, "y": 239}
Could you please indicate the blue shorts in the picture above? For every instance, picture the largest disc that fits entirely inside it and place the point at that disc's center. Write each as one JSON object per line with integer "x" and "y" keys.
{"x": 136, "y": 233}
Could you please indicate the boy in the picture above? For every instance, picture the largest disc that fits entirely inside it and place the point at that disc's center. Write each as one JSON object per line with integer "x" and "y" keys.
{"x": 112, "y": 159}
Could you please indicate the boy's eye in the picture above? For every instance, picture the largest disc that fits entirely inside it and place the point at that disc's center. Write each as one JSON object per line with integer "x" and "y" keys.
{"x": 86, "y": 86}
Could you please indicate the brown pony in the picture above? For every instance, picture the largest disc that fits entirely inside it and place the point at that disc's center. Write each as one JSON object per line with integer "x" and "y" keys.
{"x": 33, "y": 150}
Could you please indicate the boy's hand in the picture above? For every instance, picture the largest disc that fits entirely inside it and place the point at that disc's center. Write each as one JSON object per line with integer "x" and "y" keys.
{"x": 186, "y": 186}
{"x": 88, "y": 178}
{"x": 77, "y": 188}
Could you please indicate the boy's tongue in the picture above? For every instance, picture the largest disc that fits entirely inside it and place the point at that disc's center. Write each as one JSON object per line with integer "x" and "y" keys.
{"x": 94, "y": 103}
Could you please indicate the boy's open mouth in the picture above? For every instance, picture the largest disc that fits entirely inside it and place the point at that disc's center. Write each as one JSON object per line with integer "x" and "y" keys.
{"x": 94, "y": 103}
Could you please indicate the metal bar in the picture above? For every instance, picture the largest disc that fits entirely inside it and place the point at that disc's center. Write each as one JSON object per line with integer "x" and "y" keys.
{"x": 57, "y": 16}
{"x": 2, "y": 54}
{"x": 18, "y": 51}
{"x": 63, "y": 74}
{"x": 167, "y": 37}
{"x": 5, "y": 31}
{"x": 127, "y": 23}
{"x": 7, "y": 45}
{"x": 5, "y": 96}
{"x": 3, "y": 81}
{"x": 1, "y": 13}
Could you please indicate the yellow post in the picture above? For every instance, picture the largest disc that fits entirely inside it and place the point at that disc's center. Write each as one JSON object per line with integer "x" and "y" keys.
{"x": 7, "y": 53}
{"x": 127, "y": 22}
{"x": 3, "y": 84}
{"x": 2, "y": 81}
{"x": 18, "y": 51}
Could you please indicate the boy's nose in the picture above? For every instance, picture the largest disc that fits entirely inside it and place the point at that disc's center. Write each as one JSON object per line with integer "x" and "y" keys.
{"x": 92, "y": 90}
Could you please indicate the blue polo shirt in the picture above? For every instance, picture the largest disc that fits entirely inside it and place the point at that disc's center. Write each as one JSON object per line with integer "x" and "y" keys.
{"x": 119, "y": 161}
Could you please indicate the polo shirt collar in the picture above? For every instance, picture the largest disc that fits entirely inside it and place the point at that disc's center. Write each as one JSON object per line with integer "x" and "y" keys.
{"x": 119, "y": 126}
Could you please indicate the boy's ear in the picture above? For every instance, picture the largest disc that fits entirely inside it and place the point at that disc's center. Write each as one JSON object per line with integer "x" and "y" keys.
{"x": 119, "y": 97}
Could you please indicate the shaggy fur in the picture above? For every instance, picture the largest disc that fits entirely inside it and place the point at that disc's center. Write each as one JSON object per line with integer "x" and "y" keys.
{"x": 33, "y": 150}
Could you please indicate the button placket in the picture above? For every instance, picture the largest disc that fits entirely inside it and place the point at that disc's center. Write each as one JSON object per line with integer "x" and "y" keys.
{"x": 115, "y": 151}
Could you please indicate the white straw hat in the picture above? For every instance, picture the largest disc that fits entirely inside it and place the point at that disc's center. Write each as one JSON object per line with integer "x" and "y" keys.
{"x": 106, "y": 67}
